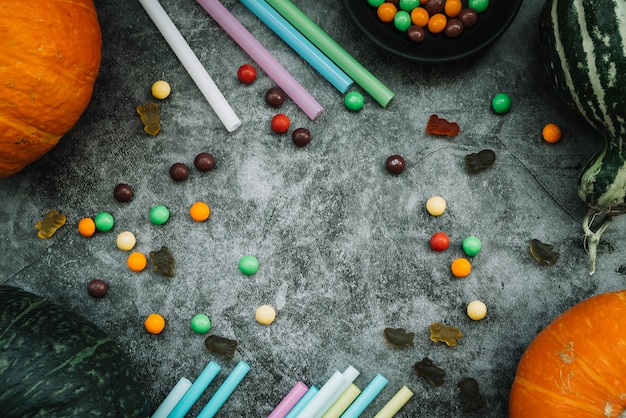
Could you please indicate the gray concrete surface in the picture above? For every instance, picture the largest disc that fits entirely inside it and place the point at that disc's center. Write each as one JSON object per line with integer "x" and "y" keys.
{"x": 342, "y": 244}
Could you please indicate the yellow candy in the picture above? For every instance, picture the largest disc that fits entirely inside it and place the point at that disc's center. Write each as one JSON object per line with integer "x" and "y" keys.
{"x": 476, "y": 310}
{"x": 436, "y": 205}
{"x": 265, "y": 314}
{"x": 126, "y": 241}
{"x": 161, "y": 89}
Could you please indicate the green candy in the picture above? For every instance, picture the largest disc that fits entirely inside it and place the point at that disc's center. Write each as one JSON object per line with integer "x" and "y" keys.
{"x": 375, "y": 3}
{"x": 201, "y": 324}
{"x": 479, "y": 5}
{"x": 248, "y": 265}
{"x": 408, "y": 5}
{"x": 159, "y": 215}
{"x": 471, "y": 246}
{"x": 402, "y": 20}
{"x": 501, "y": 103}
{"x": 354, "y": 100}
{"x": 104, "y": 221}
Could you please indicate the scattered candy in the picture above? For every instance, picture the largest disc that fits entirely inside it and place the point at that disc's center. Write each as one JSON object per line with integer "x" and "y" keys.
{"x": 265, "y": 314}
{"x": 49, "y": 225}
{"x": 444, "y": 333}
{"x": 204, "y": 161}
{"x": 439, "y": 241}
{"x": 275, "y": 96}
{"x": 123, "y": 193}
{"x": 159, "y": 215}
{"x": 440, "y": 126}
{"x": 551, "y": 133}
{"x": 126, "y": 241}
{"x": 436, "y": 205}
{"x": 201, "y": 323}
{"x": 301, "y": 137}
{"x": 136, "y": 261}
{"x": 476, "y": 310}
{"x": 246, "y": 73}
{"x": 461, "y": 267}
{"x": 543, "y": 253}
{"x": 104, "y": 221}
{"x": 179, "y": 172}
{"x": 86, "y": 227}
{"x": 154, "y": 323}
{"x": 161, "y": 89}
{"x": 221, "y": 345}
{"x": 399, "y": 337}
{"x": 163, "y": 261}
{"x": 149, "y": 114}
{"x": 280, "y": 123}
{"x": 471, "y": 398}
{"x": 248, "y": 265}
{"x": 97, "y": 288}
{"x": 354, "y": 100}
{"x": 427, "y": 369}
{"x": 501, "y": 103}
{"x": 395, "y": 164}
{"x": 199, "y": 211}
{"x": 480, "y": 161}
{"x": 471, "y": 246}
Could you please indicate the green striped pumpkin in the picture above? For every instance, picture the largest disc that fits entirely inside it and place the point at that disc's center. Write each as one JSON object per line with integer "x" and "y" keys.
{"x": 583, "y": 46}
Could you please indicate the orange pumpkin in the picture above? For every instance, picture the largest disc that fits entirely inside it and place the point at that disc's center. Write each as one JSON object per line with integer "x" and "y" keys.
{"x": 50, "y": 53}
{"x": 576, "y": 366}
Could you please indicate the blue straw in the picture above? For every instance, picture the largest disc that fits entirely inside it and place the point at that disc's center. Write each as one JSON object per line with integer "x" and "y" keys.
{"x": 195, "y": 391}
{"x": 366, "y": 397}
{"x": 303, "y": 402}
{"x": 224, "y": 391}
{"x": 300, "y": 44}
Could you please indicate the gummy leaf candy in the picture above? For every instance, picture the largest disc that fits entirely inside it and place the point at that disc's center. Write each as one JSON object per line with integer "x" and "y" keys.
{"x": 426, "y": 368}
{"x": 149, "y": 114}
{"x": 49, "y": 225}
{"x": 163, "y": 261}
{"x": 440, "y": 126}
{"x": 543, "y": 252}
{"x": 221, "y": 345}
{"x": 471, "y": 398}
{"x": 480, "y": 161}
{"x": 398, "y": 337}
{"x": 443, "y": 333}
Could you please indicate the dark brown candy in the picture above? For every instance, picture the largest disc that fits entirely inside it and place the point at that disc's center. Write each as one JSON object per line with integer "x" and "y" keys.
{"x": 301, "y": 137}
{"x": 97, "y": 288}
{"x": 471, "y": 398}
{"x": 179, "y": 172}
{"x": 431, "y": 372}
{"x": 220, "y": 345}
{"x": 275, "y": 96}
{"x": 416, "y": 33}
{"x": 453, "y": 28}
{"x": 163, "y": 261}
{"x": 480, "y": 161}
{"x": 123, "y": 193}
{"x": 440, "y": 126}
{"x": 398, "y": 337}
{"x": 468, "y": 17}
{"x": 543, "y": 253}
{"x": 395, "y": 164}
{"x": 434, "y": 6}
{"x": 204, "y": 161}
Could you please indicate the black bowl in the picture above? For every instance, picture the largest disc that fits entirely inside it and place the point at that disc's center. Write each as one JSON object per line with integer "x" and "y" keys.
{"x": 436, "y": 48}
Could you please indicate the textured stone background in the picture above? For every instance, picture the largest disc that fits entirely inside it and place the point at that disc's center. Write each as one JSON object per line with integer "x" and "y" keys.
{"x": 342, "y": 244}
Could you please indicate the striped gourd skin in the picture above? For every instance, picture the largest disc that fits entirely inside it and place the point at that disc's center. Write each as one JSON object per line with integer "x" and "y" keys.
{"x": 583, "y": 45}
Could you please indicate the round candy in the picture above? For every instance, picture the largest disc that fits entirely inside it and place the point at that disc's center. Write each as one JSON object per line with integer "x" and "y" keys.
{"x": 204, "y": 161}
{"x": 354, "y": 100}
{"x": 551, "y": 133}
{"x": 437, "y": 23}
{"x": 478, "y": 5}
{"x": 375, "y": 3}
{"x": 201, "y": 324}
{"x": 395, "y": 164}
{"x": 402, "y": 20}
{"x": 265, "y": 314}
{"x": 248, "y": 265}
{"x": 386, "y": 12}
{"x": 301, "y": 137}
{"x": 452, "y": 8}
{"x": 453, "y": 28}
{"x": 461, "y": 267}
{"x": 434, "y": 6}
{"x": 159, "y": 215}
{"x": 123, "y": 193}
{"x": 179, "y": 172}
{"x": 86, "y": 227}
{"x": 280, "y": 123}
{"x": 419, "y": 17}
{"x": 161, "y": 89}
{"x": 436, "y": 205}
{"x": 136, "y": 261}
{"x": 468, "y": 16}
{"x": 501, "y": 103}
{"x": 416, "y": 33}
{"x": 471, "y": 246}
{"x": 408, "y": 5}
{"x": 274, "y": 96}
{"x": 97, "y": 288}
{"x": 476, "y": 310}
{"x": 126, "y": 241}
{"x": 154, "y": 323}
{"x": 246, "y": 74}
{"x": 439, "y": 241}
{"x": 199, "y": 211}
{"x": 104, "y": 221}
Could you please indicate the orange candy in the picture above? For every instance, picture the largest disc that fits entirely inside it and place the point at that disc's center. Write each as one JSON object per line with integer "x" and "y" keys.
{"x": 437, "y": 23}
{"x": 452, "y": 8}
{"x": 137, "y": 261}
{"x": 386, "y": 12}
{"x": 199, "y": 211}
{"x": 419, "y": 16}
{"x": 86, "y": 227}
{"x": 461, "y": 267}
{"x": 154, "y": 323}
{"x": 551, "y": 133}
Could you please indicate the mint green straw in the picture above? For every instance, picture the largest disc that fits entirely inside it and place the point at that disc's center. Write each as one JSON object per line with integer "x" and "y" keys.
{"x": 333, "y": 50}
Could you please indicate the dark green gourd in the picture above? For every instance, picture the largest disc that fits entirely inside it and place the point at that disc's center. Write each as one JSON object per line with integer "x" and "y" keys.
{"x": 55, "y": 363}
{"x": 584, "y": 51}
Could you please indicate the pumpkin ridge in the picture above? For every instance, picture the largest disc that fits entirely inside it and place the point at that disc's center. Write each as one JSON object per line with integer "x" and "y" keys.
{"x": 554, "y": 399}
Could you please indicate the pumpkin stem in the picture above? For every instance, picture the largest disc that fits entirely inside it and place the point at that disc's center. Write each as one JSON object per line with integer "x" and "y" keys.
{"x": 591, "y": 239}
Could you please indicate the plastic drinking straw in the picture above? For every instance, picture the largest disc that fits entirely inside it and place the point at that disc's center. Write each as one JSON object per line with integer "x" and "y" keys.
{"x": 303, "y": 402}
{"x": 225, "y": 390}
{"x": 327, "y": 391}
{"x": 333, "y": 50}
{"x": 289, "y": 401}
{"x": 366, "y": 397}
{"x": 395, "y": 404}
{"x": 309, "y": 52}
{"x": 195, "y": 391}
{"x": 172, "y": 398}
{"x": 192, "y": 64}
{"x": 347, "y": 397}
{"x": 263, "y": 58}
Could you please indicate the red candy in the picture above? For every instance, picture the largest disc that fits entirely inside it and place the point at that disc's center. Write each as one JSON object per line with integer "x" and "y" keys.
{"x": 439, "y": 241}
{"x": 246, "y": 74}
{"x": 440, "y": 126}
{"x": 280, "y": 123}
